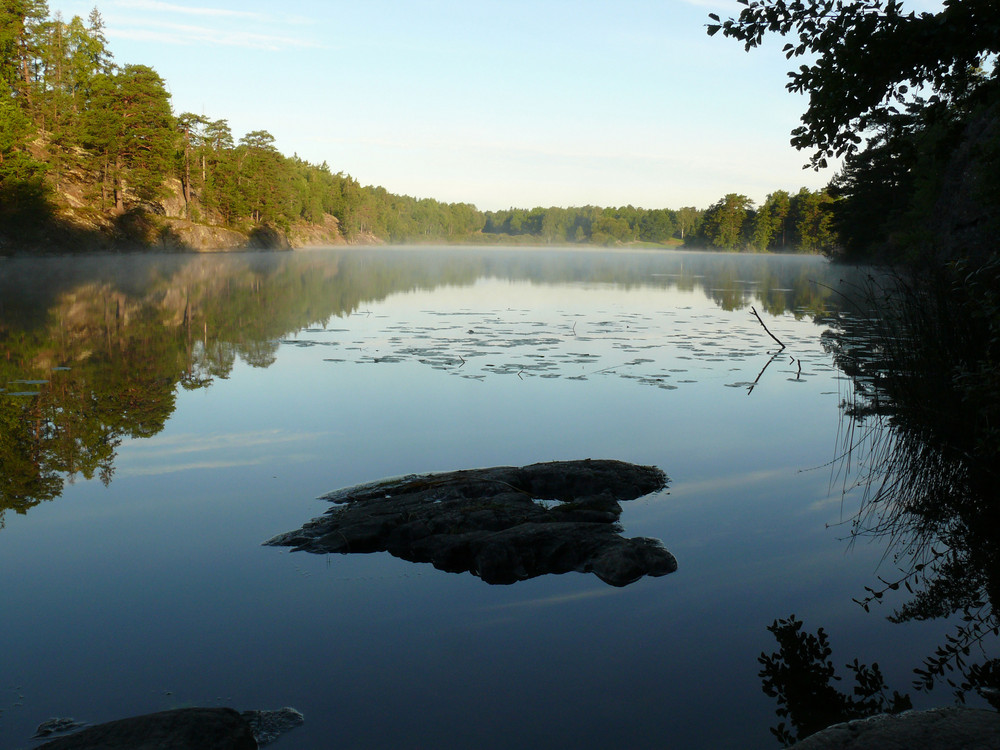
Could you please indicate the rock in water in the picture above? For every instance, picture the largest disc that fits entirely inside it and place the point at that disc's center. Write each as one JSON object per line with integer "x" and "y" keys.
{"x": 503, "y": 524}
{"x": 180, "y": 729}
{"x": 56, "y": 726}
{"x": 267, "y": 726}
{"x": 934, "y": 729}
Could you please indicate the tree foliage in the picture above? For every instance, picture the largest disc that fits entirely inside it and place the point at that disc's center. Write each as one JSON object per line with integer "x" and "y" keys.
{"x": 910, "y": 101}
{"x": 725, "y": 221}
{"x": 110, "y": 131}
{"x": 129, "y": 125}
{"x": 590, "y": 224}
{"x": 866, "y": 58}
{"x": 802, "y": 222}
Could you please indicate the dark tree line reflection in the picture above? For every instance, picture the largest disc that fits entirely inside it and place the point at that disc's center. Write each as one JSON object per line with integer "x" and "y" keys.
{"x": 920, "y": 448}
{"x": 112, "y": 338}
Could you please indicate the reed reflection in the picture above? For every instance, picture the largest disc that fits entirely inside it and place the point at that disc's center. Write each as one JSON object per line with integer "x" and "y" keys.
{"x": 920, "y": 446}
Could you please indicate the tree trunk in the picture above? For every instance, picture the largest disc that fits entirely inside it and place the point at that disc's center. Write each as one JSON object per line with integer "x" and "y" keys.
{"x": 119, "y": 187}
{"x": 104, "y": 185}
{"x": 186, "y": 187}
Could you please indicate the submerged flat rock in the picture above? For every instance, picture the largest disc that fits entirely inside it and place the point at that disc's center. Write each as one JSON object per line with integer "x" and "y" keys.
{"x": 503, "y": 524}
{"x": 267, "y": 726}
{"x": 180, "y": 729}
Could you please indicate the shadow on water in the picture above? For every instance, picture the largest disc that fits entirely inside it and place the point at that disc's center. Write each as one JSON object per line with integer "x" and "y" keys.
{"x": 920, "y": 447}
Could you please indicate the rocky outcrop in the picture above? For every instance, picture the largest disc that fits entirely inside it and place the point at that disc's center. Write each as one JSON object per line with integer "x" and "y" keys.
{"x": 188, "y": 235}
{"x": 325, "y": 234}
{"x": 503, "y": 524}
{"x": 936, "y": 729}
{"x": 180, "y": 729}
{"x": 267, "y": 726}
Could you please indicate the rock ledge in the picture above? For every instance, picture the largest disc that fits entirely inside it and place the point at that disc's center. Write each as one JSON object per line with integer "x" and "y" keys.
{"x": 935, "y": 729}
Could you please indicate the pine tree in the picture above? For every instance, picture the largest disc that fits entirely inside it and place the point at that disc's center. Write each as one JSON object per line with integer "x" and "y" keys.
{"x": 130, "y": 126}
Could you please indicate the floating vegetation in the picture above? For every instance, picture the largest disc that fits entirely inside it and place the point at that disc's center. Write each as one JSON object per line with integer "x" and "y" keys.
{"x": 572, "y": 346}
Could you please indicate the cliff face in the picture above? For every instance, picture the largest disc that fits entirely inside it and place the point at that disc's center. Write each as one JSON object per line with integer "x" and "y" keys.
{"x": 183, "y": 233}
{"x": 180, "y": 234}
{"x": 76, "y": 221}
{"x": 316, "y": 235}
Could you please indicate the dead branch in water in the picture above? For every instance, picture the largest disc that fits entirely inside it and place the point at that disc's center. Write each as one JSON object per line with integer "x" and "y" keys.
{"x": 757, "y": 379}
{"x": 765, "y": 327}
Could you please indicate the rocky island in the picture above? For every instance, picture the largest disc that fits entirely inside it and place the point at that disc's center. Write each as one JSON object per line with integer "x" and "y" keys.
{"x": 503, "y": 524}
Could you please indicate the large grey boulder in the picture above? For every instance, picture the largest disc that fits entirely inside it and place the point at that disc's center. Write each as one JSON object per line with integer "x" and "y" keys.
{"x": 503, "y": 524}
{"x": 935, "y": 729}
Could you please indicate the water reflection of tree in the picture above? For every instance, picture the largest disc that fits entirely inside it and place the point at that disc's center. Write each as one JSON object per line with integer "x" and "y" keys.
{"x": 801, "y": 677}
{"x": 922, "y": 444}
{"x": 118, "y": 386}
{"x": 131, "y": 331}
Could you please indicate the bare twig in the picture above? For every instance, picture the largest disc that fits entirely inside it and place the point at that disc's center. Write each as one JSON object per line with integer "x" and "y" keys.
{"x": 757, "y": 379}
{"x": 765, "y": 327}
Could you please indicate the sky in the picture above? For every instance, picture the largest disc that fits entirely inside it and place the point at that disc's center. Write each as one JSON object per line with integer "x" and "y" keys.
{"x": 498, "y": 103}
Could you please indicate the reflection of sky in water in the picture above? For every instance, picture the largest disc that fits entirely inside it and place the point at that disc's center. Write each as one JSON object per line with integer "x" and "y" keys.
{"x": 154, "y": 592}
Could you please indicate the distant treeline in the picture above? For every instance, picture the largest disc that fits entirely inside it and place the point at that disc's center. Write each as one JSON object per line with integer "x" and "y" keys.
{"x": 800, "y": 222}
{"x": 88, "y": 145}
{"x": 601, "y": 226}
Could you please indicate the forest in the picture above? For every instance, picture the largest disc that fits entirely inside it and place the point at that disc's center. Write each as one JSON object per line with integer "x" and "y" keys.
{"x": 86, "y": 144}
{"x": 93, "y": 156}
{"x": 796, "y": 222}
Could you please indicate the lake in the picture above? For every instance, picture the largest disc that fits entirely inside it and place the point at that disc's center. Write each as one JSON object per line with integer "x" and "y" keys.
{"x": 162, "y": 416}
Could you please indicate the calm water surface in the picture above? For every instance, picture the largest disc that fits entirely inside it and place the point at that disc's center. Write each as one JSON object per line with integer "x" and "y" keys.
{"x": 191, "y": 407}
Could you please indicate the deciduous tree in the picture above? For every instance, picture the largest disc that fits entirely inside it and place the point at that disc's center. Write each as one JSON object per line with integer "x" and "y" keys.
{"x": 866, "y": 58}
{"x": 725, "y": 221}
{"x": 910, "y": 102}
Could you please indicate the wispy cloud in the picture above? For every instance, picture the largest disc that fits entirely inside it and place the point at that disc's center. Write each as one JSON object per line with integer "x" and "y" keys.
{"x": 196, "y": 443}
{"x": 187, "y": 452}
{"x": 180, "y": 34}
{"x": 724, "y": 5}
{"x": 157, "y": 5}
{"x": 149, "y": 471}
{"x": 143, "y": 20}
{"x": 556, "y": 600}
